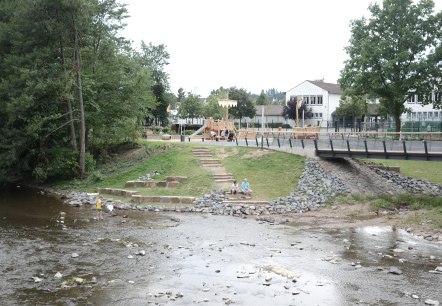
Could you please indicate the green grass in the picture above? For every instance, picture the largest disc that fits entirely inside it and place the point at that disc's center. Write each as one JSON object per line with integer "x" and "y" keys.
{"x": 272, "y": 174}
{"x": 411, "y": 201}
{"x": 425, "y": 170}
{"x": 174, "y": 161}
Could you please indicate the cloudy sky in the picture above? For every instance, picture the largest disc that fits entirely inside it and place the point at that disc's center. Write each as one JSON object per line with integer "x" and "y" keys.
{"x": 251, "y": 44}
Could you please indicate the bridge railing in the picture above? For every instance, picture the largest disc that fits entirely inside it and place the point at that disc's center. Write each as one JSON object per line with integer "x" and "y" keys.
{"x": 381, "y": 145}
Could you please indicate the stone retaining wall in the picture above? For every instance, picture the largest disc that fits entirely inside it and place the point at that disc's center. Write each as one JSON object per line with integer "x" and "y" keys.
{"x": 171, "y": 182}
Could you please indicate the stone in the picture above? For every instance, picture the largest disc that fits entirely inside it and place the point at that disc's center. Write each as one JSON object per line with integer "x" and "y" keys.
{"x": 58, "y": 275}
{"x": 74, "y": 255}
{"x": 394, "y": 270}
{"x": 431, "y": 302}
{"x": 78, "y": 280}
{"x": 37, "y": 279}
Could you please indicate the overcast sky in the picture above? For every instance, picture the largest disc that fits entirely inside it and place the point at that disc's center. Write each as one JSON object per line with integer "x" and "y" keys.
{"x": 251, "y": 44}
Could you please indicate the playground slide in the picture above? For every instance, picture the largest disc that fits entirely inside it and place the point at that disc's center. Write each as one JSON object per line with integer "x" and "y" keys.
{"x": 199, "y": 130}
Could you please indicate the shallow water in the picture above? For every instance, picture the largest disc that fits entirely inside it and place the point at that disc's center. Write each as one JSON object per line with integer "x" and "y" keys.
{"x": 207, "y": 259}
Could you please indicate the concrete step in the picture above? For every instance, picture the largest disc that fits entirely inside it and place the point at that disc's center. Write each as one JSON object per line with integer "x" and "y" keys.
{"x": 245, "y": 202}
{"x": 227, "y": 180}
{"x": 222, "y": 175}
{"x": 163, "y": 199}
{"x": 210, "y": 161}
{"x": 211, "y": 165}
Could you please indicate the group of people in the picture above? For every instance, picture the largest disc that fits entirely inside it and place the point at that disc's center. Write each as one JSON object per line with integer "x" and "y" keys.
{"x": 245, "y": 188}
{"x": 227, "y": 135}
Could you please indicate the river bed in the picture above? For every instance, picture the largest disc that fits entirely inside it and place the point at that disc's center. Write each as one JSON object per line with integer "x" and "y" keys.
{"x": 140, "y": 258}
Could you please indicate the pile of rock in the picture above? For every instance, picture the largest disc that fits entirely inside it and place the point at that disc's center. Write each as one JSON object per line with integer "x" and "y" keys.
{"x": 149, "y": 176}
{"x": 315, "y": 187}
{"x": 409, "y": 184}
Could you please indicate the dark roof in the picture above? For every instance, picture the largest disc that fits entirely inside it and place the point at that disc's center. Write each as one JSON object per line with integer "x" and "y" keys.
{"x": 269, "y": 110}
{"x": 330, "y": 87}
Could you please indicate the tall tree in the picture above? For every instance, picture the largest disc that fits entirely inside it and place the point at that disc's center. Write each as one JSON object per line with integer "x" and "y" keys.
{"x": 262, "y": 99}
{"x": 54, "y": 51}
{"x": 352, "y": 106}
{"x": 156, "y": 58}
{"x": 191, "y": 107}
{"x": 395, "y": 53}
{"x": 244, "y": 107}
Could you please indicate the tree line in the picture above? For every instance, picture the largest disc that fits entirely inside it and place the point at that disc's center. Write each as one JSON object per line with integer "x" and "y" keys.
{"x": 72, "y": 88}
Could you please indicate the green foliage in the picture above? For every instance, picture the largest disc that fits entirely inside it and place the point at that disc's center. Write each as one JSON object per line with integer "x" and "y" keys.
{"x": 244, "y": 107}
{"x": 38, "y": 89}
{"x": 212, "y": 109}
{"x": 394, "y": 53}
{"x": 262, "y": 99}
{"x": 352, "y": 106}
{"x": 410, "y": 201}
{"x": 191, "y": 107}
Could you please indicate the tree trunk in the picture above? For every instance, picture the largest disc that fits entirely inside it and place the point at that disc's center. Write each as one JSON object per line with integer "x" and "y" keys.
{"x": 68, "y": 101}
{"x": 397, "y": 119}
{"x": 80, "y": 105}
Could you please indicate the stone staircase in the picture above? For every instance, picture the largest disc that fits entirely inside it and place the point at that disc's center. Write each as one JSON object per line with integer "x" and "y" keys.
{"x": 201, "y": 153}
{"x": 223, "y": 178}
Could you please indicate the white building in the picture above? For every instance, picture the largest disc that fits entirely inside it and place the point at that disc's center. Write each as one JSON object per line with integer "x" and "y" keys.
{"x": 421, "y": 112}
{"x": 321, "y": 97}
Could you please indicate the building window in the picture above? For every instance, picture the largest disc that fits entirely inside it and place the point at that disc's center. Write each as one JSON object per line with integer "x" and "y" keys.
{"x": 320, "y": 115}
{"x": 312, "y": 100}
{"x": 319, "y": 100}
{"x": 306, "y": 100}
{"x": 413, "y": 115}
{"x": 419, "y": 115}
{"x": 408, "y": 115}
{"x": 411, "y": 99}
{"x": 436, "y": 114}
{"x": 424, "y": 115}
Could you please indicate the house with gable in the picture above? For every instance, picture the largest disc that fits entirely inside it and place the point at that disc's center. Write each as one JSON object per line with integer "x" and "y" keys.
{"x": 321, "y": 97}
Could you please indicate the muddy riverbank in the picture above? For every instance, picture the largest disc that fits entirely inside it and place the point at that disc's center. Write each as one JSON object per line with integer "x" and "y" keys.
{"x": 55, "y": 254}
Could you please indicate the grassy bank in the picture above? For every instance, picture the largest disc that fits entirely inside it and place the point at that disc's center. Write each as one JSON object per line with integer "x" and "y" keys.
{"x": 270, "y": 173}
{"x": 424, "y": 170}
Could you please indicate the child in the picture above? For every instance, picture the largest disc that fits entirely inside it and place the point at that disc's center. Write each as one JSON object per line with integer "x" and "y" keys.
{"x": 234, "y": 188}
{"x": 99, "y": 208}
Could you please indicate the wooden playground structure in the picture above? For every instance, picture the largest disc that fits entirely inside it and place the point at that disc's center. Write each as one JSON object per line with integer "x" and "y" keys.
{"x": 219, "y": 127}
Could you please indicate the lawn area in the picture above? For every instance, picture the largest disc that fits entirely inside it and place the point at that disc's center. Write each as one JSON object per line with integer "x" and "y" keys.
{"x": 425, "y": 170}
{"x": 270, "y": 173}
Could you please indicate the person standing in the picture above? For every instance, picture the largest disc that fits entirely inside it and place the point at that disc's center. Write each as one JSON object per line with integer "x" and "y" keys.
{"x": 99, "y": 208}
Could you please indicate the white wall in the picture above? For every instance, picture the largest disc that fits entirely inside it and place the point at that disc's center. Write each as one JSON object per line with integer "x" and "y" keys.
{"x": 329, "y": 101}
